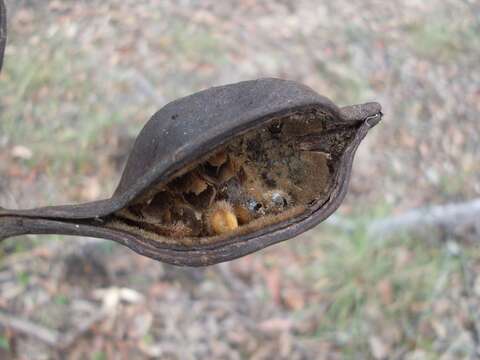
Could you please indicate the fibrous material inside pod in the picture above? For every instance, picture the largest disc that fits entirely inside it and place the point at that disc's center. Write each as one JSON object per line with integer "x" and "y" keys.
{"x": 258, "y": 178}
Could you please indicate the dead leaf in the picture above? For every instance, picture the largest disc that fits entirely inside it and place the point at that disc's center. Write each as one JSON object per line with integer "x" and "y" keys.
{"x": 111, "y": 297}
{"x": 21, "y": 152}
{"x": 379, "y": 349}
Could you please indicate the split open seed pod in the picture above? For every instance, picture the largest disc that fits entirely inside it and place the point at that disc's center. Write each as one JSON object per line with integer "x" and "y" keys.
{"x": 220, "y": 174}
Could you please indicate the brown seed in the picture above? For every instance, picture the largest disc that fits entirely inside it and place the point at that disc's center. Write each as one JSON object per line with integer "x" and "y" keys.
{"x": 186, "y": 215}
{"x": 218, "y": 159}
{"x": 198, "y": 185}
{"x": 202, "y": 200}
{"x": 167, "y": 217}
{"x": 244, "y": 216}
{"x": 227, "y": 171}
{"x": 158, "y": 208}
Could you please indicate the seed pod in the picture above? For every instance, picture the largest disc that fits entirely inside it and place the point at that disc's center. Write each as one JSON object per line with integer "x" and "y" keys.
{"x": 281, "y": 136}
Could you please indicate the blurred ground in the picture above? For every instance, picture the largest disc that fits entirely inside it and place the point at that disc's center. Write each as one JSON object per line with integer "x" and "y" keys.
{"x": 82, "y": 77}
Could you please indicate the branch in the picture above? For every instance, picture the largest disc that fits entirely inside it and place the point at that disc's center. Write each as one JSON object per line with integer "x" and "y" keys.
{"x": 41, "y": 333}
{"x": 50, "y": 337}
{"x": 447, "y": 218}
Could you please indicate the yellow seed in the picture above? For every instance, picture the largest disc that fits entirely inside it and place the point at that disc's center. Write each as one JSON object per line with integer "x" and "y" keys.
{"x": 221, "y": 218}
{"x": 223, "y": 222}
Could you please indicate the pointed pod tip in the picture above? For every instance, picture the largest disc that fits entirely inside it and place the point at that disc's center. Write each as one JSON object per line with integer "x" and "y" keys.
{"x": 370, "y": 112}
{"x": 374, "y": 119}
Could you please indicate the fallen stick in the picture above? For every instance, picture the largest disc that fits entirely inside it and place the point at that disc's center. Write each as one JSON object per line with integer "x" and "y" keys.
{"x": 447, "y": 218}
{"x": 48, "y": 336}
{"x": 26, "y": 327}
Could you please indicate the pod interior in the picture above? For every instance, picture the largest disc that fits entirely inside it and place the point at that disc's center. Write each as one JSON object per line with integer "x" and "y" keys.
{"x": 265, "y": 176}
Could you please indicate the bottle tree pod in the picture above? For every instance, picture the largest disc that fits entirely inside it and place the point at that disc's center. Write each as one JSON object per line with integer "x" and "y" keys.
{"x": 220, "y": 174}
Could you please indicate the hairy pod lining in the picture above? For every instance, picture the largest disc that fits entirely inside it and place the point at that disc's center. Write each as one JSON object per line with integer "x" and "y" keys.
{"x": 259, "y": 178}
